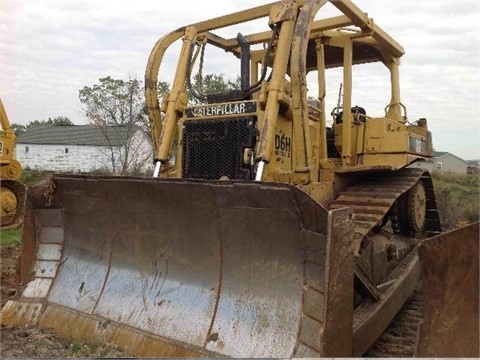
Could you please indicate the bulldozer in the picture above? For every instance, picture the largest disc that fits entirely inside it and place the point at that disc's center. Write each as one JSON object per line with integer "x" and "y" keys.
{"x": 264, "y": 231}
{"x": 12, "y": 191}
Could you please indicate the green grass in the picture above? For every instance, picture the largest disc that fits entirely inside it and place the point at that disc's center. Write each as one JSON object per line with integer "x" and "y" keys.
{"x": 75, "y": 346}
{"x": 458, "y": 199}
{"x": 10, "y": 236}
{"x": 33, "y": 177}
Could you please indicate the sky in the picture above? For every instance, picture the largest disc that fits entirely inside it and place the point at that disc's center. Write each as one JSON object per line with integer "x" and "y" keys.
{"x": 50, "y": 49}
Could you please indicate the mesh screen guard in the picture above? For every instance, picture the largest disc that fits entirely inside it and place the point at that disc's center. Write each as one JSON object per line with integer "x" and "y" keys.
{"x": 214, "y": 148}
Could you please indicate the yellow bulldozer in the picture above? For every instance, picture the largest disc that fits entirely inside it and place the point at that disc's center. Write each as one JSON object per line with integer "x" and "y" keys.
{"x": 264, "y": 232}
{"x": 12, "y": 191}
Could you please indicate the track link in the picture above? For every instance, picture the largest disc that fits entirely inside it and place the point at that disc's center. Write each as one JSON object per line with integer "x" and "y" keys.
{"x": 398, "y": 340}
{"x": 376, "y": 193}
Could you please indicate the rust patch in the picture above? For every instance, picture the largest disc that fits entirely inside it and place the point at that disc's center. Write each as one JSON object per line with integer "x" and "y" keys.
{"x": 49, "y": 190}
{"x": 84, "y": 327}
{"x": 337, "y": 337}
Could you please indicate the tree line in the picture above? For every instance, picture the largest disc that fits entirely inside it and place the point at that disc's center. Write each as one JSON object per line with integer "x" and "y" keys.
{"x": 59, "y": 120}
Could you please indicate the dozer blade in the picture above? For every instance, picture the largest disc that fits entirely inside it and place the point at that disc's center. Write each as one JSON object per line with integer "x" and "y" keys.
{"x": 185, "y": 268}
{"x": 450, "y": 281}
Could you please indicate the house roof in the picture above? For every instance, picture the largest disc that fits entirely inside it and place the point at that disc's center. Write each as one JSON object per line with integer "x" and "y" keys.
{"x": 75, "y": 135}
{"x": 440, "y": 154}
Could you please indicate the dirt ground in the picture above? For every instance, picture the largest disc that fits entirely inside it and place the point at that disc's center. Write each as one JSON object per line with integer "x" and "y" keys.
{"x": 8, "y": 259}
{"x": 39, "y": 343}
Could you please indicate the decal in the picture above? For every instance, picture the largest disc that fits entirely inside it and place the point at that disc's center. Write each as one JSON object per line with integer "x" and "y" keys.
{"x": 283, "y": 145}
{"x": 418, "y": 146}
{"x": 233, "y": 108}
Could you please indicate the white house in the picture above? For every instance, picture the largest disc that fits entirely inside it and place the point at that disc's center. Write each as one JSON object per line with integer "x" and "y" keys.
{"x": 444, "y": 162}
{"x": 84, "y": 148}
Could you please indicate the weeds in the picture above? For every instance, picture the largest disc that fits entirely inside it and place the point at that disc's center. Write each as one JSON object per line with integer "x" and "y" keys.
{"x": 32, "y": 177}
{"x": 458, "y": 199}
{"x": 75, "y": 346}
{"x": 10, "y": 237}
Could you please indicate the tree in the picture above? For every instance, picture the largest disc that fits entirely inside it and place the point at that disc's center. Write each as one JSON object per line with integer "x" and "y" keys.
{"x": 162, "y": 88}
{"x": 212, "y": 84}
{"x": 118, "y": 103}
{"x": 59, "y": 120}
{"x": 215, "y": 83}
{"x": 18, "y": 129}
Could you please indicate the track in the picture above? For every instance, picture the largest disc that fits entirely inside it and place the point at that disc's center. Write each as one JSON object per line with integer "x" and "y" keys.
{"x": 398, "y": 340}
{"x": 373, "y": 198}
{"x": 375, "y": 195}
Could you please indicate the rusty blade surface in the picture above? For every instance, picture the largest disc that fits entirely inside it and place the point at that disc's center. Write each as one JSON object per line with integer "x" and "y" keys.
{"x": 200, "y": 268}
{"x": 338, "y": 340}
{"x": 450, "y": 271}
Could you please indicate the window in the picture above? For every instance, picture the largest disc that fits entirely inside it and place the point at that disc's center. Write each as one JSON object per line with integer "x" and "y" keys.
{"x": 66, "y": 150}
{"x": 439, "y": 165}
{"x": 26, "y": 149}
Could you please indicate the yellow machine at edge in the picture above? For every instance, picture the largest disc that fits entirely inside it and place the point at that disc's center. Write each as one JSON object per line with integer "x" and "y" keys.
{"x": 12, "y": 191}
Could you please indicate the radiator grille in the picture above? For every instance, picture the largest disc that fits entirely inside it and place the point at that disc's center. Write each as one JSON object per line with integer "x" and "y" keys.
{"x": 214, "y": 148}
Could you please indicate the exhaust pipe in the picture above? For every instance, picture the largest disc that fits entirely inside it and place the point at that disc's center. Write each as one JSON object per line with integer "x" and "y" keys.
{"x": 244, "y": 62}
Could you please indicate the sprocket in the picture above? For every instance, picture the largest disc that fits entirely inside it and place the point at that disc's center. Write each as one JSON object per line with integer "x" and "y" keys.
{"x": 416, "y": 208}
